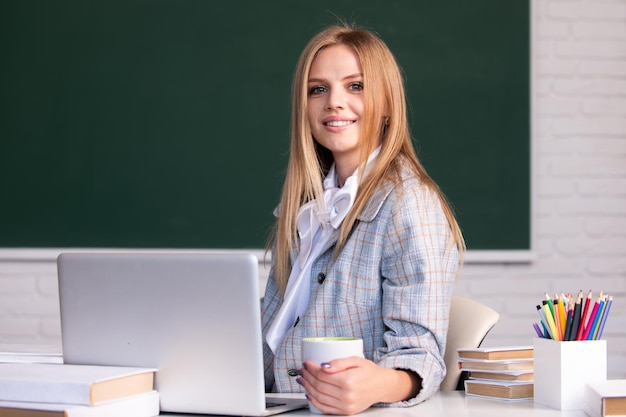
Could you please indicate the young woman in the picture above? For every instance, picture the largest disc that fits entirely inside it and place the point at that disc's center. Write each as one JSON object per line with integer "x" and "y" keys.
{"x": 365, "y": 244}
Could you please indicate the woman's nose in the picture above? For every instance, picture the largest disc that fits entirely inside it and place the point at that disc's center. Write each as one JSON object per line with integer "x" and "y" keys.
{"x": 336, "y": 99}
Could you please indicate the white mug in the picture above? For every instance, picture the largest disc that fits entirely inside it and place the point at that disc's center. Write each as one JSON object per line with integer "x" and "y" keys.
{"x": 326, "y": 349}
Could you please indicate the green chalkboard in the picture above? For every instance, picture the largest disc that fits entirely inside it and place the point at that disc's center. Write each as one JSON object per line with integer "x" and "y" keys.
{"x": 165, "y": 123}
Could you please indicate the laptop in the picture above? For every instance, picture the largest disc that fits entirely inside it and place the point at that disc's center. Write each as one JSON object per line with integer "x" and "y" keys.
{"x": 193, "y": 316}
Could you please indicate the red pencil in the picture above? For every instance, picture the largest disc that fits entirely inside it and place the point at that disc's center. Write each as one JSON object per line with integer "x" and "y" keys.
{"x": 583, "y": 318}
{"x": 592, "y": 316}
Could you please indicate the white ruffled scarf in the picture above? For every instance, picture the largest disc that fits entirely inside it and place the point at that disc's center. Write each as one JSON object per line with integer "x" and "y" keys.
{"x": 315, "y": 230}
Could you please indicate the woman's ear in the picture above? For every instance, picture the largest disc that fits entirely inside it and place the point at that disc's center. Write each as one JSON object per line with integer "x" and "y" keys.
{"x": 385, "y": 125}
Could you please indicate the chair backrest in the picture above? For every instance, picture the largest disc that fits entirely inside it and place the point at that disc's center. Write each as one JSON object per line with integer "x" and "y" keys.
{"x": 470, "y": 321}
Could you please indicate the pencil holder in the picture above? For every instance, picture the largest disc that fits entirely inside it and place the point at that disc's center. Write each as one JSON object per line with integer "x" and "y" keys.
{"x": 562, "y": 370}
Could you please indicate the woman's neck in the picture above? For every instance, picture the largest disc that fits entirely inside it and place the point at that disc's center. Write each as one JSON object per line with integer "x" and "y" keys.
{"x": 344, "y": 168}
{"x": 345, "y": 165}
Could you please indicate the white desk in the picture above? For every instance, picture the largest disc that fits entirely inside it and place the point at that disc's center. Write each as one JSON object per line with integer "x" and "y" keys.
{"x": 456, "y": 404}
{"x": 443, "y": 404}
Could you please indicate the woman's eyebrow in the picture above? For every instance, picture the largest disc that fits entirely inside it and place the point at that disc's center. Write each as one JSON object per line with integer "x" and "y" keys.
{"x": 347, "y": 77}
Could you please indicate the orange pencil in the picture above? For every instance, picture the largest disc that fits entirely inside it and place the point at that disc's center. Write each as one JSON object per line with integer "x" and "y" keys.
{"x": 583, "y": 318}
{"x": 562, "y": 315}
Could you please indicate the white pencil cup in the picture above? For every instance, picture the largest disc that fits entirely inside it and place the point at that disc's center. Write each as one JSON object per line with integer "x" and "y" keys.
{"x": 562, "y": 370}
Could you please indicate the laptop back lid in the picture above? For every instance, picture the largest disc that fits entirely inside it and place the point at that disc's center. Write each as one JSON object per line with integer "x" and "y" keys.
{"x": 194, "y": 316}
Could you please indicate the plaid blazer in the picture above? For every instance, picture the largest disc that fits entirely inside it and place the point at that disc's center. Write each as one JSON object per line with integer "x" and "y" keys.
{"x": 391, "y": 285}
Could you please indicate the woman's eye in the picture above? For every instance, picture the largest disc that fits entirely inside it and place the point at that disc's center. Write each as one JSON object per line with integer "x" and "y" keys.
{"x": 356, "y": 86}
{"x": 317, "y": 90}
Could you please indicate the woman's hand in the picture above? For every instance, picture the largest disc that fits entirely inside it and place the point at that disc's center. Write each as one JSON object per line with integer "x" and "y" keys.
{"x": 350, "y": 385}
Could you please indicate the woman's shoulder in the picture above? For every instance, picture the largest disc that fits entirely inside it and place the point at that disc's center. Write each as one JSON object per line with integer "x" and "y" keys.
{"x": 404, "y": 183}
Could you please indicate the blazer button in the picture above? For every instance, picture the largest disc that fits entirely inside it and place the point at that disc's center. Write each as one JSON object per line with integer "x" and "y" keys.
{"x": 292, "y": 372}
{"x": 321, "y": 277}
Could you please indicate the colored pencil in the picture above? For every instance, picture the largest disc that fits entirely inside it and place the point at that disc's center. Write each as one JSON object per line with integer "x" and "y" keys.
{"x": 550, "y": 304}
{"x": 557, "y": 318}
{"x": 546, "y": 331}
{"x": 562, "y": 315}
{"x": 583, "y": 318}
{"x": 606, "y": 313}
{"x": 566, "y": 317}
{"x": 592, "y": 317}
{"x": 569, "y": 321}
{"x": 576, "y": 320}
{"x": 597, "y": 320}
{"x": 544, "y": 321}
{"x": 550, "y": 320}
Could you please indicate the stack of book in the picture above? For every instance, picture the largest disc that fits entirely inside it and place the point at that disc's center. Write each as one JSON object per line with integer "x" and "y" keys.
{"x": 504, "y": 373}
{"x": 50, "y": 390}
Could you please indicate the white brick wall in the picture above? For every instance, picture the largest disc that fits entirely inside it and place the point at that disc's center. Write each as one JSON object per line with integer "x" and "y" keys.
{"x": 29, "y": 308}
{"x": 579, "y": 190}
{"x": 579, "y": 173}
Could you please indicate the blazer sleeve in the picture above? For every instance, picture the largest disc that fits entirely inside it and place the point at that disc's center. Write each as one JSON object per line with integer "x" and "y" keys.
{"x": 269, "y": 308}
{"x": 420, "y": 262}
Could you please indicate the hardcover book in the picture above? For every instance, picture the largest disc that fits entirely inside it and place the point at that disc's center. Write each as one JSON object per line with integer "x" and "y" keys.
{"x": 497, "y": 353}
{"x": 496, "y": 365}
{"x": 503, "y": 375}
{"x": 143, "y": 405}
{"x": 606, "y": 398}
{"x": 72, "y": 384}
{"x": 508, "y": 390}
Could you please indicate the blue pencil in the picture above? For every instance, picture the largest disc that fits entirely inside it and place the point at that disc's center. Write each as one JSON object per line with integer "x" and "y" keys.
{"x": 596, "y": 320}
{"x": 546, "y": 332}
{"x": 544, "y": 322}
{"x": 606, "y": 313}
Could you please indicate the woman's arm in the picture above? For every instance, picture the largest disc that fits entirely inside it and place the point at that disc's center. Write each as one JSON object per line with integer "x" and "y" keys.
{"x": 418, "y": 270}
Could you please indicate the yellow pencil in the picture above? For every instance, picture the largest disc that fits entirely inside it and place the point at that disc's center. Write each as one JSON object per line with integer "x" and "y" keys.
{"x": 557, "y": 317}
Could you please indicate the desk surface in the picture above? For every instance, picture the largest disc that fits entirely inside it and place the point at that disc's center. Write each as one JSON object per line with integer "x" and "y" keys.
{"x": 457, "y": 404}
{"x": 443, "y": 403}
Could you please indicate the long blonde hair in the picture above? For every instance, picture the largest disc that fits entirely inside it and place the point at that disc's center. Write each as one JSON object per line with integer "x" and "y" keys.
{"x": 384, "y": 119}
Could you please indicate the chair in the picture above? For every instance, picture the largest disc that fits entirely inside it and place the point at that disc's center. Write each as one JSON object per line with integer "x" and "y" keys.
{"x": 470, "y": 321}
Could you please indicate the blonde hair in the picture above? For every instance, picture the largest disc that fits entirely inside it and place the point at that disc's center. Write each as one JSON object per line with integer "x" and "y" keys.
{"x": 384, "y": 119}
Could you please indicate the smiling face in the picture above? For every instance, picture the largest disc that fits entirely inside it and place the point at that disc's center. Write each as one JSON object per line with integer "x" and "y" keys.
{"x": 335, "y": 105}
